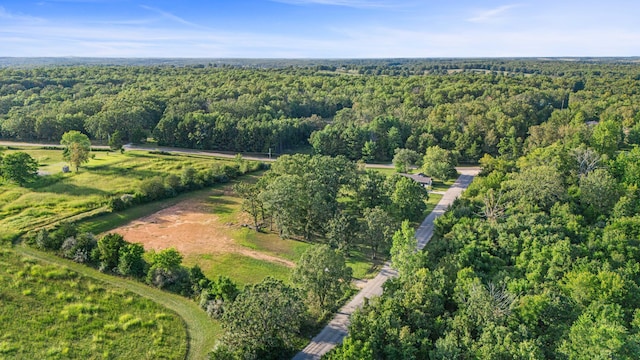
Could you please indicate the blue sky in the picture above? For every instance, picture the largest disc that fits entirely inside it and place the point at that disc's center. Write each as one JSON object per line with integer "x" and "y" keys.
{"x": 319, "y": 28}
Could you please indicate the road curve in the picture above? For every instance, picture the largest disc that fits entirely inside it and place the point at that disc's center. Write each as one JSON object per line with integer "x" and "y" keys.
{"x": 337, "y": 329}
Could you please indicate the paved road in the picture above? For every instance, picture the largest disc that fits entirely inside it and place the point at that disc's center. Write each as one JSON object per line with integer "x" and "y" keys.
{"x": 336, "y": 330}
{"x": 173, "y": 150}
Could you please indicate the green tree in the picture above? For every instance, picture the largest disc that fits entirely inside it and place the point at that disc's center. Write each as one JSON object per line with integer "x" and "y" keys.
{"x": 109, "y": 251}
{"x": 341, "y": 232}
{"x": 130, "y": 262}
{"x": 371, "y": 190}
{"x": 599, "y": 191}
{"x": 166, "y": 272}
{"x": 116, "y": 142}
{"x": 403, "y": 249}
{"x": 251, "y": 203}
{"x": 369, "y": 151}
{"x": 77, "y": 148}
{"x": 539, "y": 186}
{"x": 377, "y": 231}
{"x": 599, "y": 333}
{"x": 404, "y": 158}
{"x": 167, "y": 259}
{"x": 324, "y": 275}
{"x": 263, "y": 321}
{"x": 438, "y": 163}
{"x": 18, "y": 167}
{"x": 408, "y": 199}
{"x": 607, "y": 137}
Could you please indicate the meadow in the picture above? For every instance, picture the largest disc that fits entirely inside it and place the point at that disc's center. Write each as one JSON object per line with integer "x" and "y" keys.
{"x": 50, "y": 311}
{"x": 57, "y": 196}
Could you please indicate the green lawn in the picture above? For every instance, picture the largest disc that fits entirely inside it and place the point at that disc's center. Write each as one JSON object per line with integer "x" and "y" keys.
{"x": 50, "y": 311}
{"x": 241, "y": 269}
{"x": 271, "y": 244}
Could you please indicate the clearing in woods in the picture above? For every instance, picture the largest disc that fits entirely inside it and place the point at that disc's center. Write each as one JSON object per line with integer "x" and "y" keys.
{"x": 192, "y": 228}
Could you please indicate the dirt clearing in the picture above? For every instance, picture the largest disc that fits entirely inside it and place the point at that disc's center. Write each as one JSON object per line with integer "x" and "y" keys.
{"x": 191, "y": 228}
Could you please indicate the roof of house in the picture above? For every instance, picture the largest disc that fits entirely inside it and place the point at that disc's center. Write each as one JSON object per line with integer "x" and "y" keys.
{"x": 419, "y": 178}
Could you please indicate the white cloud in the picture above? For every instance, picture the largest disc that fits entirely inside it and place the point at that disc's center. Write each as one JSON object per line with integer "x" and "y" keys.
{"x": 492, "y": 15}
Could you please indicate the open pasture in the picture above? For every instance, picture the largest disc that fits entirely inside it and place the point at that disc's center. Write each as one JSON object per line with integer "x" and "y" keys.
{"x": 52, "y": 312}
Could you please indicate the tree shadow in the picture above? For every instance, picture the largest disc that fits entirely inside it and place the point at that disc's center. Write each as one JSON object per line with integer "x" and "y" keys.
{"x": 60, "y": 187}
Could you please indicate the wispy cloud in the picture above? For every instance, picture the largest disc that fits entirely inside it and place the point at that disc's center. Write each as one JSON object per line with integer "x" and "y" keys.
{"x": 492, "y": 15}
{"x": 173, "y": 17}
{"x": 6, "y": 15}
{"x": 345, "y": 3}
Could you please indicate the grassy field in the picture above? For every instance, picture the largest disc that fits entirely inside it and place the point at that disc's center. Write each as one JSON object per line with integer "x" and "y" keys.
{"x": 59, "y": 196}
{"x": 50, "y": 311}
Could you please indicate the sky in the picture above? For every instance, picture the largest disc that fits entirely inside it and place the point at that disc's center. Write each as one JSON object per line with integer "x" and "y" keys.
{"x": 319, "y": 28}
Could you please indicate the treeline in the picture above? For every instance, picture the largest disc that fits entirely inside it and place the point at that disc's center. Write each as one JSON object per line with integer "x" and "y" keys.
{"x": 538, "y": 260}
{"x": 471, "y": 107}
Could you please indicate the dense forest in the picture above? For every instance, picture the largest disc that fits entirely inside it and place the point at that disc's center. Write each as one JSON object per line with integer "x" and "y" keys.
{"x": 360, "y": 109}
{"x": 538, "y": 260}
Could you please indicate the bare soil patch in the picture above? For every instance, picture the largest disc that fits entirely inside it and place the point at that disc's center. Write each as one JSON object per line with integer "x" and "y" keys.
{"x": 191, "y": 228}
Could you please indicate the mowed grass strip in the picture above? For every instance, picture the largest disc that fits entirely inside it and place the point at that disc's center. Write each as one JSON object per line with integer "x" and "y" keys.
{"x": 201, "y": 331}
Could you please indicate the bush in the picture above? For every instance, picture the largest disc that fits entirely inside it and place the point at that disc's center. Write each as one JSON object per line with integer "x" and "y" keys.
{"x": 175, "y": 280}
{"x": 172, "y": 182}
{"x": 116, "y": 204}
{"x": 152, "y": 189}
{"x": 131, "y": 262}
{"x": 45, "y": 241}
{"x": 79, "y": 248}
{"x": 231, "y": 171}
{"x": 63, "y": 231}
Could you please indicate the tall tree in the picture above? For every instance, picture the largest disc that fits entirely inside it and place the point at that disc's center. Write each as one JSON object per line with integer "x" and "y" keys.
{"x": 403, "y": 249}
{"x": 404, "y": 158}
{"x": 324, "y": 275}
{"x": 77, "y": 148}
{"x": 251, "y": 203}
{"x": 115, "y": 141}
{"x": 599, "y": 191}
{"x": 438, "y": 163}
{"x": 109, "y": 250}
{"x": 408, "y": 199}
{"x": 18, "y": 167}
{"x": 377, "y": 231}
{"x": 263, "y": 321}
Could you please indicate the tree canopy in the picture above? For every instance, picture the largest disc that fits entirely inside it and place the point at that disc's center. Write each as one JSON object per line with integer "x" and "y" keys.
{"x": 18, "y": 167}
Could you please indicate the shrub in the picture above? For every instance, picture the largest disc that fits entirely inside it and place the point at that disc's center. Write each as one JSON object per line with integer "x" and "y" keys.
{"x": 175, "y": 280}
{"x": 231, "y": 171}
{"x": 116, "y": 204}
{"x": 131, "y": 262}
{"x": 79, "y": 248}
{"x": 63, "y": 231}
{"x": 46, "y": 241}
{"x": 152, "y": 189}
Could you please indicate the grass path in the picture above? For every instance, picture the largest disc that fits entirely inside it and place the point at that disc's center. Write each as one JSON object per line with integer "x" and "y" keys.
{"x": 202, "y": 332}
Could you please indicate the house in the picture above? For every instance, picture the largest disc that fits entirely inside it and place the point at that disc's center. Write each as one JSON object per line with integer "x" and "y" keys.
{"x": 420, "y": 178}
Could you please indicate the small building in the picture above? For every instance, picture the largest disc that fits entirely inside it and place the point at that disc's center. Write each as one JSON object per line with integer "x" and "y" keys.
{"x": 420, "y": 178}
